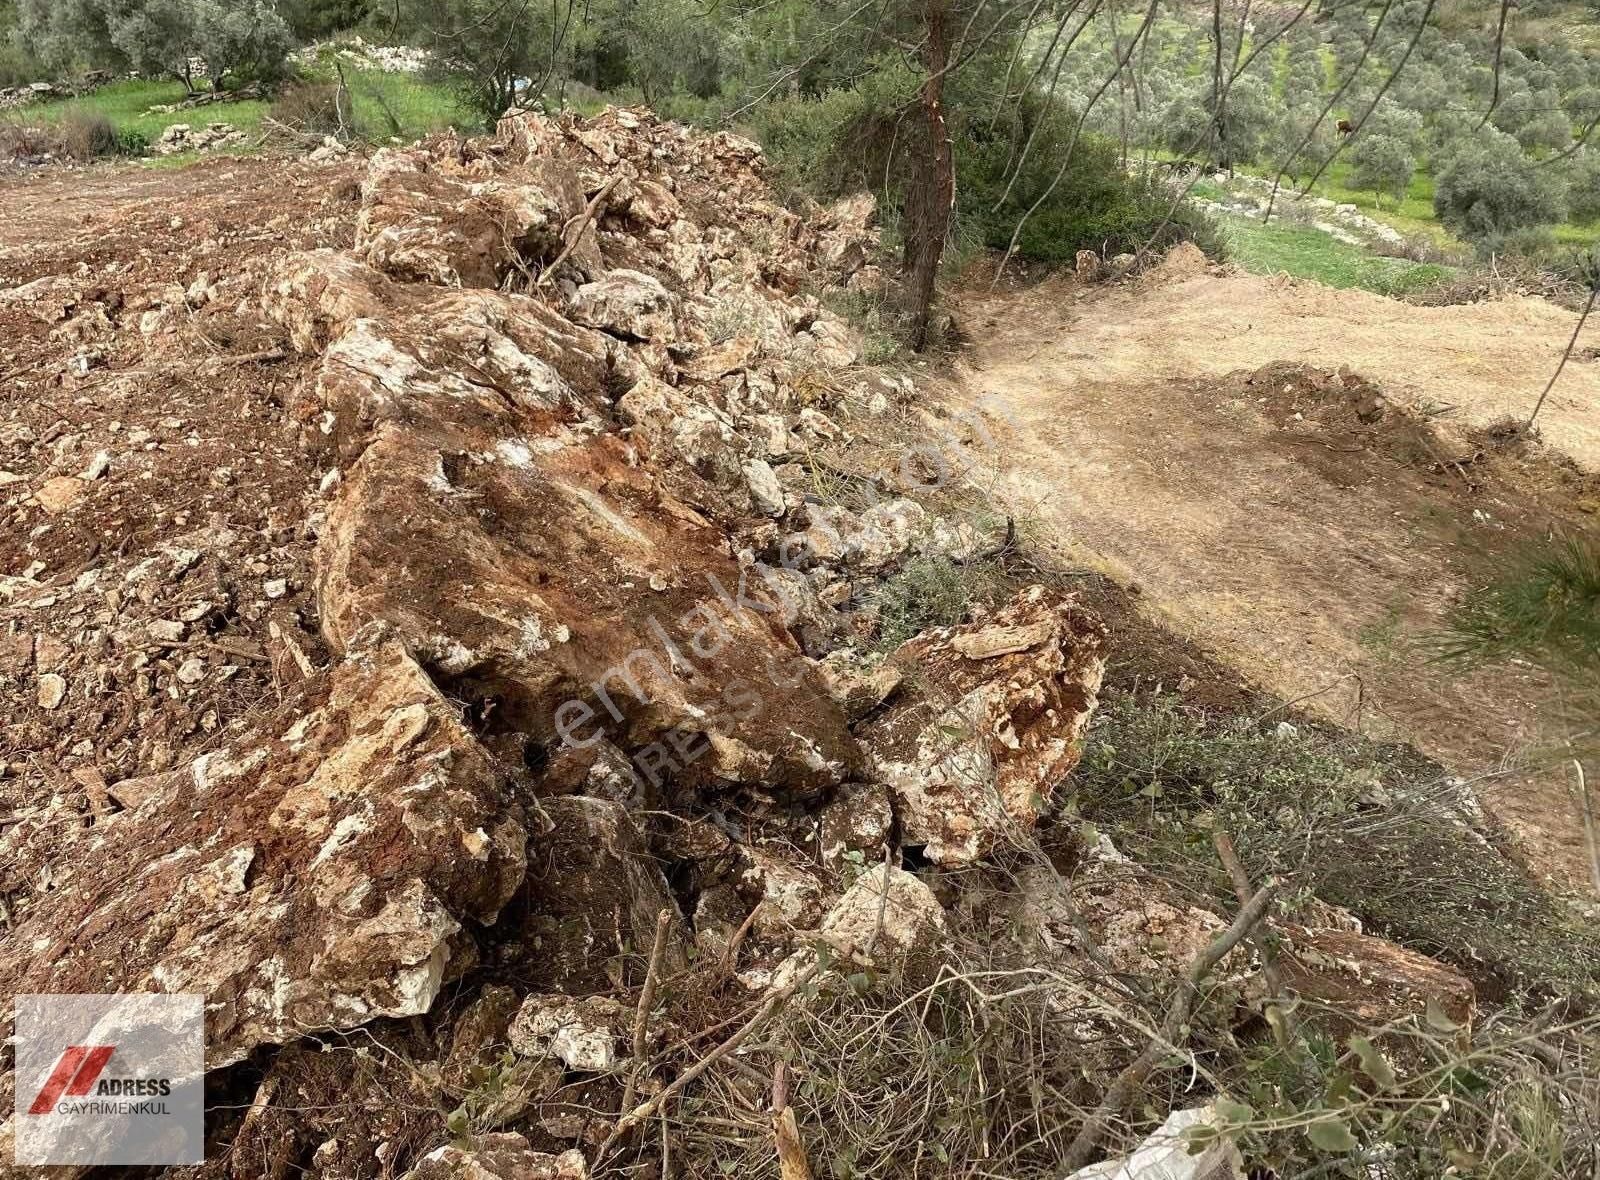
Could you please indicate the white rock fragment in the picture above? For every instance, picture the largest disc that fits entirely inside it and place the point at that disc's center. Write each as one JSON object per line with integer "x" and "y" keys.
{"x": 52, "y": 690}
{"x": 582, "y": 1034}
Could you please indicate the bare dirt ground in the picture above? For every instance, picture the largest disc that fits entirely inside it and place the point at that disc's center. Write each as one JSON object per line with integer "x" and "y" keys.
{"x": 155, "y": 552}
{"x": 1190, "y": 433}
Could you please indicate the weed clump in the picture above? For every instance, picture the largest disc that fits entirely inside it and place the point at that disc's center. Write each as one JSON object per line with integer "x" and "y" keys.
{"x": 930, "y": 591}
{"x": 313, "y": 108}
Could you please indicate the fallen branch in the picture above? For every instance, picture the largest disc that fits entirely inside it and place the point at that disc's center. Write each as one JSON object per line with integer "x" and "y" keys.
{"x": 577, "y": 225}
{"x": 1594, "y": 289}
{"x": 647, "y": 1000}
{"x": 793, "y": 1163}
{"x": 1283, "y": 1027}
{"x": 1127, "y": 1084}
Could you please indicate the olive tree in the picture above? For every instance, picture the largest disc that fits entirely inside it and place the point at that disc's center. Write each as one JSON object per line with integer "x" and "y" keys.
{"x": 1383, "y": 164}
{"x": 1490, "y": 192}
{"x": 158, "y": 38}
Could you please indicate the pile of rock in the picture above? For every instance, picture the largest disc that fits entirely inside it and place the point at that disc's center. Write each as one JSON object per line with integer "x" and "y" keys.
{"x": 13, "y": 97}
{"x": 182, "y": 137}
{"x": 357, "y": 51}
{"x": 1248, "y": 196}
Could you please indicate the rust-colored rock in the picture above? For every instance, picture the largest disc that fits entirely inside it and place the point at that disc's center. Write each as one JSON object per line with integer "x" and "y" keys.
{"x": 989, "y": 724}
{"x": 324, "y": 872}
{"x": 420, "y": 224}
{"x": 1371, "y": 980}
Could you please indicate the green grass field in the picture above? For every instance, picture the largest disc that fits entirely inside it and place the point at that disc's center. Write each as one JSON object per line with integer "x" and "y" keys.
{"x": 1311, "y": 254}
{"x": 127, "y": 105}
{"x": 386, "y": 105}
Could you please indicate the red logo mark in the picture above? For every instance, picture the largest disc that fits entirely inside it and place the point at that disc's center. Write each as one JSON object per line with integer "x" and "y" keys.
{"x": 73, "y": 1075}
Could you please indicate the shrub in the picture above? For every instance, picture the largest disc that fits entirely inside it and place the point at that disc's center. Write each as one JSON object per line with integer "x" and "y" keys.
{"x": 312, "y": 107}
{"x": 848, "y": 140}
{"x": 132, "y": 142}
{"x": 311, "y": 19}
{"x": 1088, "y": 201}
{"x": 931, "y": 591}
{"x": 1368, "y": 827}
{"x": 23, "y": 141}
{"x": 88, "y": 135}
{"x": 842, "y": 141}
{"x": 1583, "y": 185}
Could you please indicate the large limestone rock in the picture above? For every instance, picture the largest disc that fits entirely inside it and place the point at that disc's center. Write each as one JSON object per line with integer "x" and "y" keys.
{"x": 887, "y": 914}
{"x": 629, "y": 304}
{"x": 522, "y": 550}
{"x": 989, "y": 723}
{"x": 420, "y": 224}
{"x": 324, "y": 872}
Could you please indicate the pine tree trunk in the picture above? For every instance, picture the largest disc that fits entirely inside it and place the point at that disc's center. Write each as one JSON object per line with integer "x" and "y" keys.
{"x": 932, "y": 196}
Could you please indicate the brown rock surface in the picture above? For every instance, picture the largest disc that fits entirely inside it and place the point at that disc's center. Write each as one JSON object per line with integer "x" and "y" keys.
{"x": 989, "y": 724}
{"x": 323, "y": 873}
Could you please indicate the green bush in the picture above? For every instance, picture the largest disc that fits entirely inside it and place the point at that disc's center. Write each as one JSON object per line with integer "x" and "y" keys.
{"x": 132, "y": 142}
{"x": 840, "y": 142}
{"x": 1090, "y": 204}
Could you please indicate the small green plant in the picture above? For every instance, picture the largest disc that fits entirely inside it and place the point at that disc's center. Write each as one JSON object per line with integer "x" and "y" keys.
{"x": 930, "y": 591}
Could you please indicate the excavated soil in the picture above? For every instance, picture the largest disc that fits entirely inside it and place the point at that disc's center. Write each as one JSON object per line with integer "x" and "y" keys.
{"x": 1303, "y": 481}
{"x": 169, "y": 592}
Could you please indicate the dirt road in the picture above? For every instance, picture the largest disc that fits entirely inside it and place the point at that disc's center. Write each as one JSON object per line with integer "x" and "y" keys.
{"x": 1189, "y": 433}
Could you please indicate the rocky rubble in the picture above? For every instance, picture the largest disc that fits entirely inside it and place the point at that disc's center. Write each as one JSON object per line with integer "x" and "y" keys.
{"x": 184, "y": 137}
{"x": 587, "y": 689}
{"x": 556, "y": 602}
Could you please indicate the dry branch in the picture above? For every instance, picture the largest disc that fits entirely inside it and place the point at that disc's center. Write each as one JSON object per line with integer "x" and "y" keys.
{"x": 1591, "y": 839}
{"x": 573, "y": 231}
{"x": 1127, "y": 1083}
{"x": 646, "y": 1109}
{"x": 647, "y": 1000}
{"x": 1283, "y": 1027}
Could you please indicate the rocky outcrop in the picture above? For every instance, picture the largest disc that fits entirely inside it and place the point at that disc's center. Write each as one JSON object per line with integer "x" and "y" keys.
{"x": 328, "y": 870}
{"x": 421, "y": 223}
{"x": 990, "y": 724}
